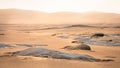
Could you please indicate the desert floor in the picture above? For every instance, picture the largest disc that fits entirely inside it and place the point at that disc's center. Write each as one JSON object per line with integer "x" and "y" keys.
{"x": 39, "y": 34}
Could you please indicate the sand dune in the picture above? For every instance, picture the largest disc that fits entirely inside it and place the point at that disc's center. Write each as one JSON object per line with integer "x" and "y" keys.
{"x": 18, "y": 16}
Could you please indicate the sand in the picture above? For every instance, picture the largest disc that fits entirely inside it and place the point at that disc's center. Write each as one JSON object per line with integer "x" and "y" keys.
{"x": 33, "y": 35}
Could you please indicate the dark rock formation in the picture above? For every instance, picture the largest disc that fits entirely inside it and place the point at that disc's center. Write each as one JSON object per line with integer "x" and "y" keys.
{"x": 3, "y": 45}
{"x": 75, "y": 41}
{"x": 112, "y": 42}
{"x": 31, "y": 45}
{"x": 83, "y": 47}
{"x": 41, "y": 52}
{"x": 78, "y": 47}
{"x": 96, "y": 35}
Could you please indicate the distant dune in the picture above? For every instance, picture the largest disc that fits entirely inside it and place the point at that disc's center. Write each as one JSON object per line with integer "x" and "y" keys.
{"x": 18, "y": 16}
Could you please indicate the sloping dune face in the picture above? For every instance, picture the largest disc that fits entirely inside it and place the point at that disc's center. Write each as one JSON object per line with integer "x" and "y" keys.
{"x": 17, "y": 16}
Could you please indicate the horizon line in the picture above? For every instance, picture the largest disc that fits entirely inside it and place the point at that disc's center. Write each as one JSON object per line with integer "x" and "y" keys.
{"x": 92, "y": 11}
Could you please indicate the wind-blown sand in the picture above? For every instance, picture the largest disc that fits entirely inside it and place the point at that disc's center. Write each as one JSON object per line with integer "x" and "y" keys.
{"x": 33, "y": 35}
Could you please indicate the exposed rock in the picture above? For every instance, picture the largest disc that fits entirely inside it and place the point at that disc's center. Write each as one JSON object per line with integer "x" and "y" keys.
{"x": 31, "y": 45}
{"x": 75, "y": 41}
{"x": 53, "y": 34}
{"x": 41, "y": 52}
{"x": 63, "y": 37}
{"x": 112, "y": 42}
{"x": 83, "y": 47}
{"x": 109, "y": 40}
{"x": 96, "y": 35}
{"x": 78, "y": 25}
{"x": 3, "y": 45}
{"x": 78, "y": 47}
{"x": 69, "y": 47}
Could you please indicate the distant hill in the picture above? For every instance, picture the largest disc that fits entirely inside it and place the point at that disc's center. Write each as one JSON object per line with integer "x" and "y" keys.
{"x": 18, "y": 16}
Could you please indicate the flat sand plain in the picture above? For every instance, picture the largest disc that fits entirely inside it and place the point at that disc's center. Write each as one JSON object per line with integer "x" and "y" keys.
{"x": 49, "y": 34}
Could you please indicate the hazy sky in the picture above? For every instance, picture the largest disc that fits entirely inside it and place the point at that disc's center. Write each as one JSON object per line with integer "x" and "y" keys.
{"x": 63, "y": 5}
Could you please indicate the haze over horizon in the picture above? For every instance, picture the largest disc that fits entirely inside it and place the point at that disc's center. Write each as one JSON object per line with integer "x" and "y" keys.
{"x": 59, "y": 11}
{"x": 110, "y": 6}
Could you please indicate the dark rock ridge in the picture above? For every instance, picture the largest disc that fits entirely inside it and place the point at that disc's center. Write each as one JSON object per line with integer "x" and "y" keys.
{"x": 31, "y": 45}
{"x": 41, "y": 52}
{"x": 3, "y": 45}
{"x": 79, "y": 25}
{"x": 88, "y": 40}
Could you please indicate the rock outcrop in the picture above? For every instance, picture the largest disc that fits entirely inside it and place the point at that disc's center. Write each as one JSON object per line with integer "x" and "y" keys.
{"x": 78, "y": 47}
{"x": 4, "y": 45}
{"x": 41, "y": 52}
